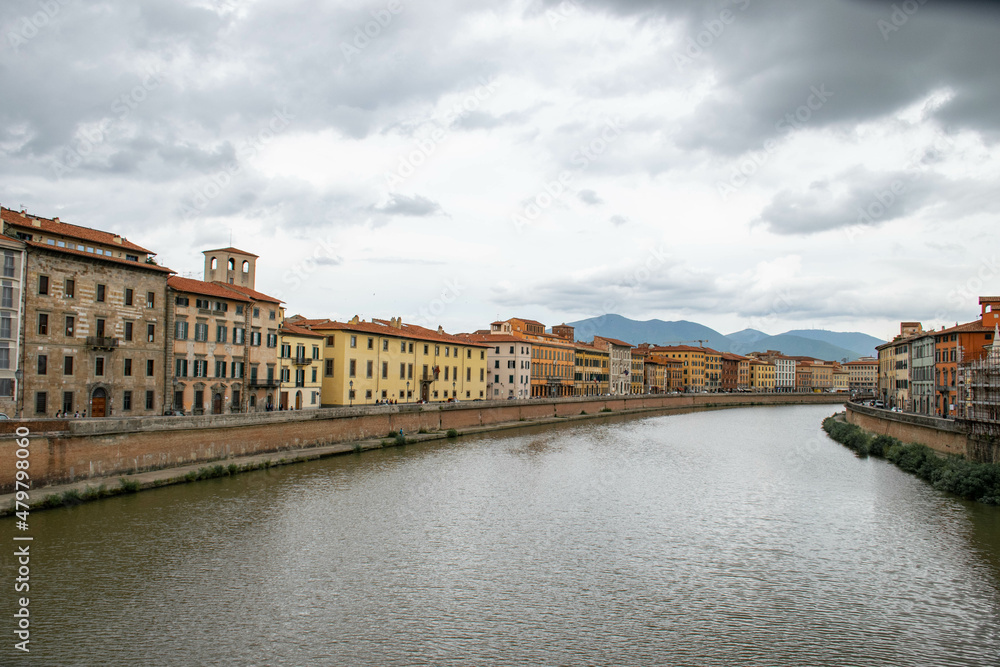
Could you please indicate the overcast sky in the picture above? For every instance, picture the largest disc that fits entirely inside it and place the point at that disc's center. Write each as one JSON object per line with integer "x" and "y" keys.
{"x": 773, "y": 165}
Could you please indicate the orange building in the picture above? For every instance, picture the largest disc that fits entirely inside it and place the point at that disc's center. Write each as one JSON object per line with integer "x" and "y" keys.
{"x": 965, "y": 342}
{"x": 553, "y": 356}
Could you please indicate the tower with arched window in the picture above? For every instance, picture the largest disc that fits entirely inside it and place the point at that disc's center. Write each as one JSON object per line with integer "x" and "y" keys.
{"x": 230, "y": 266}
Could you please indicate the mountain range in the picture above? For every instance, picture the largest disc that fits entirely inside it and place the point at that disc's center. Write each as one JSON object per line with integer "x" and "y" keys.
{"x": 818, "y": 343}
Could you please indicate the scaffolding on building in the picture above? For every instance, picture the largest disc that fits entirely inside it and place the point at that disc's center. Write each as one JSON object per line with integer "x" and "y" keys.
{"x": 978, "y": 390}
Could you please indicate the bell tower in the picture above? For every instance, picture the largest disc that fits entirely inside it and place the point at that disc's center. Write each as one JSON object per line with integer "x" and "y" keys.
{"x": 231, "y": 266}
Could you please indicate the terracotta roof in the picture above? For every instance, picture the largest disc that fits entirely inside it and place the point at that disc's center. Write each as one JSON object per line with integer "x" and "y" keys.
{"x": 731, "y": 356}
{"x": 680, "y": 348}
{"x": 57, "y": 227}
{"x": 614, "y": 341}
{"x": 231, "y": 249}
{"x": 493, "y": 338}
{"x": 382, "y": 328}
{"x": 253, "y": 294}
{"x": 289, "y": 328}
{"x": 207, "y": 289}
{"x": 103, "y": 258}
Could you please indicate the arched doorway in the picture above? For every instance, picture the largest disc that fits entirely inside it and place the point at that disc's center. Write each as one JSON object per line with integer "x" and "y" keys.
{"x": 217, "y": 403}
{"x": 298, "y": 400}
{"x": 99, "y": 403}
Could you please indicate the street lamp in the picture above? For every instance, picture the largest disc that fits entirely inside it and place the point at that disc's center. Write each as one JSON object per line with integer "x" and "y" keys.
{"x": 350, "y": 396}
{"x": 453, "y": 395}
{"x": 407, "y": 391}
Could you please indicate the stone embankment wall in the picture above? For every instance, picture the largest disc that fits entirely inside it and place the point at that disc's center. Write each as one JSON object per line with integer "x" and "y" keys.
{"x": 942, "y": 435}
{"x": 71, "y": 450}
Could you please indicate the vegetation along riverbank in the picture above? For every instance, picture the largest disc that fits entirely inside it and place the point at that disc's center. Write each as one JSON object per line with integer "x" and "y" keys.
{"x": 953, "y": 474}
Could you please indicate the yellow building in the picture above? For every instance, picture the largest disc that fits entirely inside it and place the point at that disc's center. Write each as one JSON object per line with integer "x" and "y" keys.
{"x": 553, "y": 362}
{"x": 713, "y": 370}
{"x": 841, "y": 379}
{"x": 762, "y": 374}
{"x": 693, "y": 360}
{"x": 638, "y": 374}
{"x": 592, "y": 366}
{"x": 383, "y": 360}
{"x": 301, "y": 354}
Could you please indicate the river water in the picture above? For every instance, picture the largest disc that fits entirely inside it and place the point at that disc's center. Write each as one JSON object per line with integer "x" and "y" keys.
{"x": 731, "y": 537}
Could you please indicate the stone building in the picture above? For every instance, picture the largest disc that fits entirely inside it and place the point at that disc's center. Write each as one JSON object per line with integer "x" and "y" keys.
{"x": 620, "y": 370}
{"x": 94, "y": 321}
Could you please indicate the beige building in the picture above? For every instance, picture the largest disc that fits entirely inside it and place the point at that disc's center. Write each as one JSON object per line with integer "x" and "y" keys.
{"x": 223, "y": 345}
{"x": 94, "y": 321}
{"x": 11, "y": 323}
{"x": 620, "y": 364}
{"x": 863, "y": 375}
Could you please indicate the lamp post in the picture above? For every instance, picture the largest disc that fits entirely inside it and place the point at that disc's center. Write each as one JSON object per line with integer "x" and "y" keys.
{"x": 350, "y": 396}
{"x": 453, "y": 395}
{"x": 407, "y": 391}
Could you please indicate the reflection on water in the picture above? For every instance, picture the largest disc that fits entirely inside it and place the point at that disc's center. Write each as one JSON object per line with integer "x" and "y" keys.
{"x": 715, "y": 538}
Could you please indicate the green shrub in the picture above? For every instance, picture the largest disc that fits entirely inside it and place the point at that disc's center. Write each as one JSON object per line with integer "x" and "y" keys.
{"x": 606, "y": 410}
{"x": 127, "y": 485}
{"x": 400, "y": 439}
{"x": 452, "y": 433}
{"x": 72, "y": 497}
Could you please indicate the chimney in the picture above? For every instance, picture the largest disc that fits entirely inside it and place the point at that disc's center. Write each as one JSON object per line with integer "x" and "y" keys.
{"x": 55, "y": 219}
{"x": 117, "y": 239}
{"x": 355, "y": 320}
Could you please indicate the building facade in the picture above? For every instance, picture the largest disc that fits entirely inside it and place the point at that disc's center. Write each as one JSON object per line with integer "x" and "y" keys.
{"x": 11, "y": 324}
{"x": 300, "y": 356}
{"x": 94, "y": 321}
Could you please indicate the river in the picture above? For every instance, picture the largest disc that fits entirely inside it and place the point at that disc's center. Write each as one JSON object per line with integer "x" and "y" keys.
{"x": 729, "y": 537}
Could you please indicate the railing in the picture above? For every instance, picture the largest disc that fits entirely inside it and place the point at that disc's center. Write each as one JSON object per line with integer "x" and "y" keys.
{"x": 301, "y": 361}
{"x": 102, "y": 342}
{"x": 257, "y": 382}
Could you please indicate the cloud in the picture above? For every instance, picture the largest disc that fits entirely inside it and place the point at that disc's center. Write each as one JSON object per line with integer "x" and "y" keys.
{"x": 415, "y": 206}
{"x": 589, "y": 197}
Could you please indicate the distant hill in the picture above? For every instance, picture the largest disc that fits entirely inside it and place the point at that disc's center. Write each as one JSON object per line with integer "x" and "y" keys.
{"x": 861, "y": 343}
{"x": 829, "y": 345}
{"x": 656, "y": 332}
{"x": 798, "y": 346}
{"x": 744, "y": 338}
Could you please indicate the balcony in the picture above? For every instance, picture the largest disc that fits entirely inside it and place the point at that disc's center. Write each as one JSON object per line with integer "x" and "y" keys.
{"x": 102, "y": 342}
{"x": 264, "y": 383}
{"x": 302, "y": 361}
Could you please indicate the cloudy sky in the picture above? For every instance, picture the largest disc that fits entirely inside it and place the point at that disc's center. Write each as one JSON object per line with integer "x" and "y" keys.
{"x": 759, "y": 164}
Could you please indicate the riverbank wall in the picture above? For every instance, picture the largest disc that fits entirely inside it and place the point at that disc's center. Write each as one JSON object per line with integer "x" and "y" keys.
{"x": 942, "y": 435}
{"x": 66, "y": 451}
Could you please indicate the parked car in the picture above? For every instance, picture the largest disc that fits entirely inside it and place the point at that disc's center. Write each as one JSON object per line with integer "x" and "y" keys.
{"x": 3, "y": 416}
{"x": 879, "y": 404}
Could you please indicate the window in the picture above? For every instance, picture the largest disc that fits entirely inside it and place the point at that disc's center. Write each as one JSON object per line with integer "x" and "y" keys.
{"x": 286, "y": 350}
{"x": 329, "y": 368}
{"x": 385, "y": 370}
{"x": 150, "y": 299}
{"x": 220, "y": 369}
{"x": 354, "y": 341}
{"x": 128, "y": 296}
{"x": 127, "y": 368}
{"x": 368, "y": 393}
{"x": 352, "y": 368}
{"x": 67, "y": 365}
{"x": 41, "y": 398}
{"x": 150, "y": 398}
{"x": 43, "y": 324}
{"x": 182, "y": 301}
{"x": 5, "y": 325}
{"x": 315, "y": 351}
{"x": 369, "y": 368}
{"x": 313, "y": 375}
{"x": 402, "y": 371}
{"x": 200, "y": 368}
{"x": 100, "y": 328}
{"x": 402, "y": 346}
{"x": 8, "y": 264}
{"x": 202, "y": 304}
{"x": 43, "y": 364}
{"x": 409, "y": 371}
{"x": 255, "y": 338}
{"x": 180, "y": 368}
{"x": 43, "y": 284}
{"x": 181, "y": 330}
{"x": 100, "y": 293}
{"x": 70, "y": 325}
{"x": 129, "y": 258}
{"x": 220, "y": 333}
{"x": 7, "y": 295}
{"x": 272, "y": 340}
{"x": 371, "y": 343}
{"x": 126, "y": 400}
{"x": 256, "y": 312}
{"x": 237, "y": 369}
{"x": 4, "y": 361}
{"x": 425, "y": 349}
{"x": 271, "y": 315}
{"x": 67, "y": 402}
{"x": 385, "y": 345}
{"x": 200, "y": 331}
{"x": 239, "y": 336}
{"x": 150, "y": 332}
{"x": 99, "y": 366}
